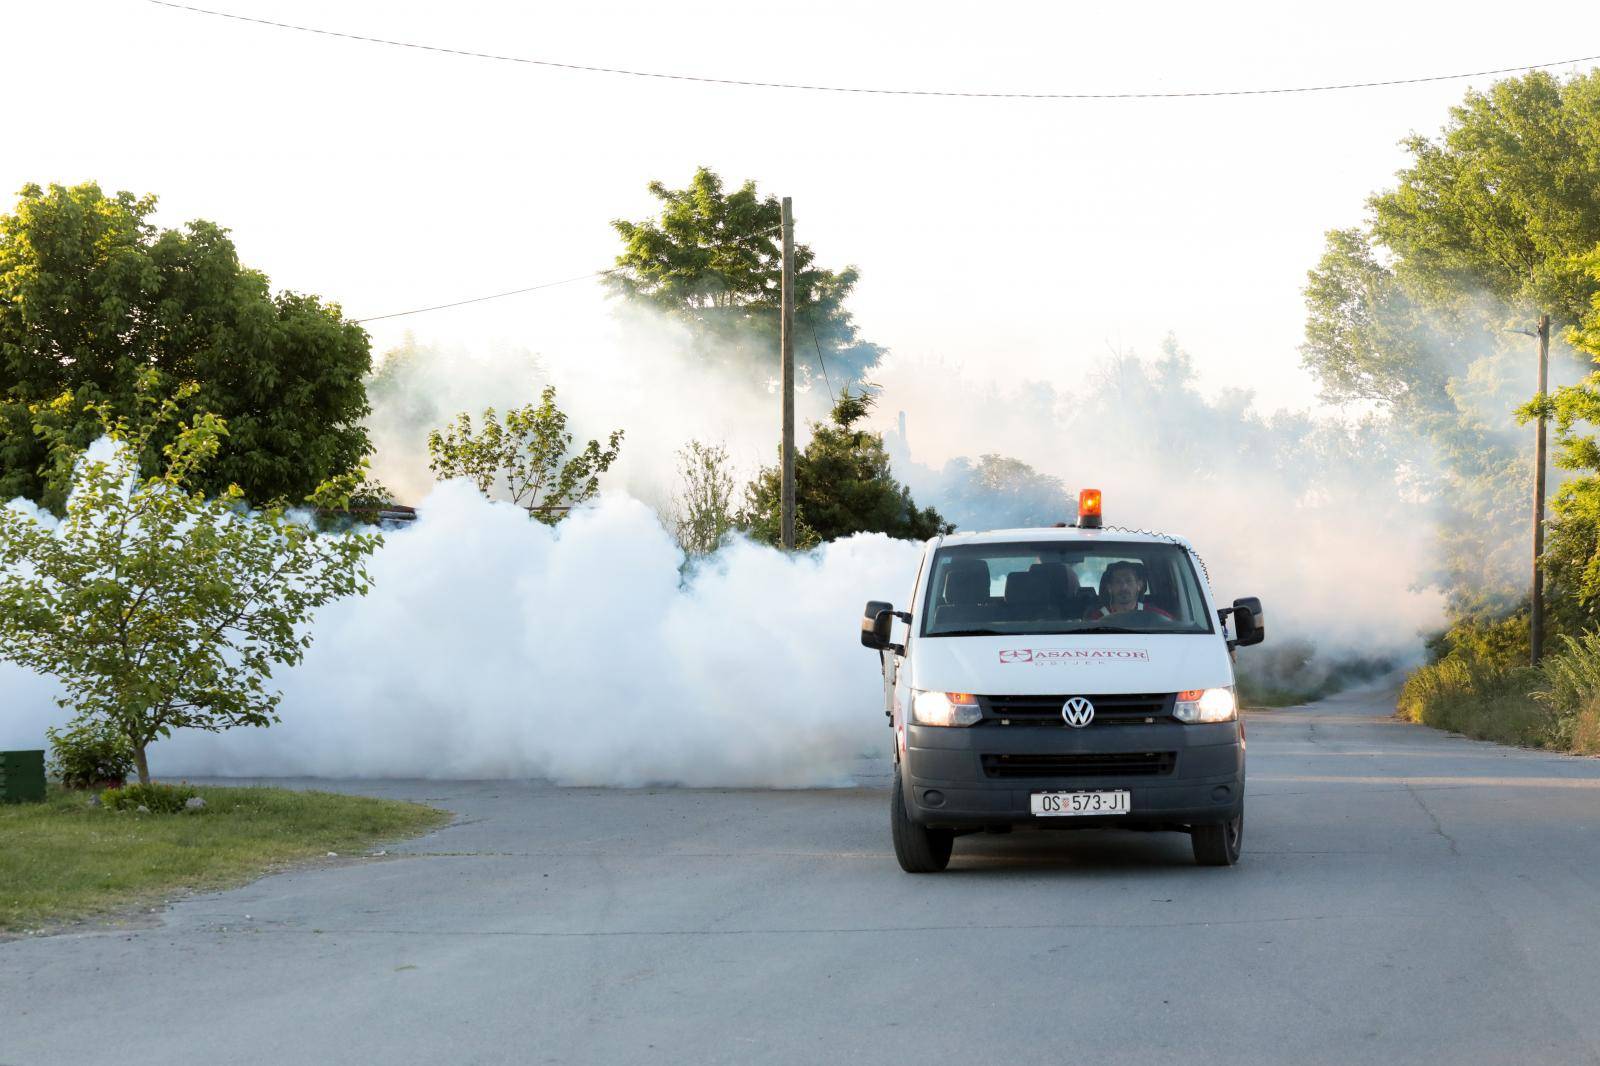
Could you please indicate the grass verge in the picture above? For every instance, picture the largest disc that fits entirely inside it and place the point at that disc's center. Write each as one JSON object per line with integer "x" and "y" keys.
{"x": 1500, "y": 704}
{"x": 62, "y": 860}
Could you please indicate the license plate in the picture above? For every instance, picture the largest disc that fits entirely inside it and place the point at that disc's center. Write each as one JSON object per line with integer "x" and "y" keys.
{"x": 1066, "y": 804}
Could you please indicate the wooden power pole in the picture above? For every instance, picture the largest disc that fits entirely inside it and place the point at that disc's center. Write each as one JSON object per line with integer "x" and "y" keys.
{"x": 1536, "y": 614}
{"x": 786, "y": 346}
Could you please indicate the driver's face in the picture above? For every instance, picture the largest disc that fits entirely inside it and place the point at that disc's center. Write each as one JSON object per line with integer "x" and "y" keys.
{"x": 1122, "y": 588}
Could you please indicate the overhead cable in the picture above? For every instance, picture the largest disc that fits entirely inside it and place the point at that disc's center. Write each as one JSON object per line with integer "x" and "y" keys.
{"x": 860, "y": 89}
{"x": 492, "y": 296}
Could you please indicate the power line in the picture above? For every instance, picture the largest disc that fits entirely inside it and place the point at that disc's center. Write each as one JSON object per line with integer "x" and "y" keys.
{"x": 493, "y": 296}
{"x": 530, "y": 288}
{"x": 823, "y": 365}
{"x": 744, "y": 83}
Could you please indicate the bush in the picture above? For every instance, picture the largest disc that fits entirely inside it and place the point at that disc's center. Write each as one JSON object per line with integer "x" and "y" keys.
{"x": 158, "y": 799}
{"x": 90, "y": 754}
{"x": 1572, "y": 691}
{"x": 1486, "y": 701}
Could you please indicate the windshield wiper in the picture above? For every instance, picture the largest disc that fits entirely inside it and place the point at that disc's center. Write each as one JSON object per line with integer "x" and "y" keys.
{"x": 1105, "y": 629}
{"x": 968, "y": 633}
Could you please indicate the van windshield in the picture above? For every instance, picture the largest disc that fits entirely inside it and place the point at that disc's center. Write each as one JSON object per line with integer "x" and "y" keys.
{"x": 1063, "y": 587}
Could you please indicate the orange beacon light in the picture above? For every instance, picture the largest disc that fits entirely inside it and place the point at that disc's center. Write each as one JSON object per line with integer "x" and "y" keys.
{"x": 1089, "y": 509}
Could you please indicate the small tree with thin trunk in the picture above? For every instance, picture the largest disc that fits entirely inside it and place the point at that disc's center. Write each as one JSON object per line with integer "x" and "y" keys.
{"x": 156, "y": 607}
{"x": 524, "y": 456}
{"x": 703, "y": 512}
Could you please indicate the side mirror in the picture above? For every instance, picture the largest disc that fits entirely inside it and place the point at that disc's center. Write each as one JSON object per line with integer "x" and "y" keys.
{"x": 1249, "y": 624}
{"x": 876, "y": 623}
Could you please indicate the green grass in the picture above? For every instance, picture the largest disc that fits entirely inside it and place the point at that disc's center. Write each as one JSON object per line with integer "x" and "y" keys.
{"x": 63, "y": 861}
{"x": 1482, "y": 702}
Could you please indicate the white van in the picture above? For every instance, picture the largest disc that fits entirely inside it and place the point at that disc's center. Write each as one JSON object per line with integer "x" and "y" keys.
{"x": 1066, "y": 678}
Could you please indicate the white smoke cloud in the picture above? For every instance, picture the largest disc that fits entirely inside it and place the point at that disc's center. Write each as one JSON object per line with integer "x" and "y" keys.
{"x": 1280, "y": 507}
{"x": 635, "y": 370}
{"x": 493, "y": 646}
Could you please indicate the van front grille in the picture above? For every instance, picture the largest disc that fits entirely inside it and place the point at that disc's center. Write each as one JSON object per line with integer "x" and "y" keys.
{"x": 1082, "y": 764}
{"x": 1138, "y": 708}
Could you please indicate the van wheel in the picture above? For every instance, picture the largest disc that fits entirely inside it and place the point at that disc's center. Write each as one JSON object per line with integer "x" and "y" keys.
{"x": 1218, "y": 845}
{"x": 920, "y": 850}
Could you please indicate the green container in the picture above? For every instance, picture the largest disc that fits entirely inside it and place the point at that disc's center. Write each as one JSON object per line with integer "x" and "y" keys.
{"x": 21, "y": 776}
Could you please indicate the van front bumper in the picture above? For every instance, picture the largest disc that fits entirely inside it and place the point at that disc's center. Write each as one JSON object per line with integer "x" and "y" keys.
{"x": 984, "y": 776}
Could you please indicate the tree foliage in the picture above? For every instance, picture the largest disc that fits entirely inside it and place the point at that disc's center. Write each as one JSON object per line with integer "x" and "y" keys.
{"x": 714, "y": 260}
{"x": 93, "y": 295}
{"x": 1572, "y": 548}
{"x": 1487, "y": 227}
{"x": 703, "y": 511}
{"x": 1504, "y": 199}
{"x": 843, "y": 485}
{"x": 526, "y": 456}
{"x": 157, "y": 606}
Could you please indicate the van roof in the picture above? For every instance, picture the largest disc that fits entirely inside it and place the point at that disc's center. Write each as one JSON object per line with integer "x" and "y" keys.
{"x": 1067, "y": 533}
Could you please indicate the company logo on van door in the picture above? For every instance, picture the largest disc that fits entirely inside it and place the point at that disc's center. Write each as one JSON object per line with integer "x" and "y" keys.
{"x": 1074, "y": 656}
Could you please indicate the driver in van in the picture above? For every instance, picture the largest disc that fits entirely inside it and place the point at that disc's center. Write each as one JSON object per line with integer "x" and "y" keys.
{"x": 1122, "y": 588}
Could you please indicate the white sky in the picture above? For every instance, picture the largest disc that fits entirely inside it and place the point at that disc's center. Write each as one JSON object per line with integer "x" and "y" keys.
{"x": 1024, "y": 237}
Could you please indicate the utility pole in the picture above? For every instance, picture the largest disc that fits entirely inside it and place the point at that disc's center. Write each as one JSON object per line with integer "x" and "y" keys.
{"x": 786, "y": 346}
{"x": 1536, "y": 615}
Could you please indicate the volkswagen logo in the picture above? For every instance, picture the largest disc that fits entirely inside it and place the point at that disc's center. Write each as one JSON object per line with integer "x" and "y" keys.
{"x": 1077, "y": 712}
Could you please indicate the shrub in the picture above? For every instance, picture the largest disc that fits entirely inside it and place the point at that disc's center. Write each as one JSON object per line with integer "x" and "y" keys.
{"x": 1572, "y": 691}
{"x": 89, "y": 754}
{"x": 1485, "y": 701}
{"x": 158, "y": 799}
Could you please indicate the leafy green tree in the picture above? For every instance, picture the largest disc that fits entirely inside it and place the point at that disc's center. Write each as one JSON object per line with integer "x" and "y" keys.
{"x": 1503, "y": 200}
{"x": 526, "y": 456}
{"x": 714, "y": 260}
{"x": 703, "y": 512}
{"x": 1489, "y": 221}
{"x": 92, "y": 295}
{"x": 157, "y": 606}
{"x": 1572, "y": 548}
{"x": 843, "y": 485}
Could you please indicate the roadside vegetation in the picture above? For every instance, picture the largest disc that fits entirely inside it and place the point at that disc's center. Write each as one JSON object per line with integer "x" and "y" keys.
{"x": 64, "y": 860}
{"x": 1426, "y": 314}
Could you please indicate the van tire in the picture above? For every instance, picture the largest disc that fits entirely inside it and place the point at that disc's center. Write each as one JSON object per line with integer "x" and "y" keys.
{"x": 920, "y": 850}
{"x": 1218, "y": 845}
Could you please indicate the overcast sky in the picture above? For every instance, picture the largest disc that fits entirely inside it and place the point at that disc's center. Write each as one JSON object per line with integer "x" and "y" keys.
{"x": 1026, "y": 237}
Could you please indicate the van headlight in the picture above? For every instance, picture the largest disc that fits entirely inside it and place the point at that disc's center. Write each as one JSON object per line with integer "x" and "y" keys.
{"x": 945, "y": 708}
{"x": 1206, "y": 705}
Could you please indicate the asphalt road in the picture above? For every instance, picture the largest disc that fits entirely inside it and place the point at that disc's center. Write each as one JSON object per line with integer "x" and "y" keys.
{"x": 1405, "y": 896}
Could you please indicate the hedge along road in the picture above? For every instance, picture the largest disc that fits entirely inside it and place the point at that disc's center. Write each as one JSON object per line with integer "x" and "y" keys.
{"x": 1405, "y": 896}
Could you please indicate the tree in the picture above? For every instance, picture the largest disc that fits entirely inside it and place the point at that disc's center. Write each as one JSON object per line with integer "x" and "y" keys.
{"x": 714, "y": 260}
{"x": 158, "y": 607}
{"x": 92, "y": 296}
{"x": 1572, "y": 550}
{"x": 703, "y": 512}
{"x": 843, "y": 485}
{"x": 1366, "y": 339}
{"x": 1504, "y": 200}
{"x": 1487, "y": 224}
{"x": 998, "y": 491}
{"x": 526, "y": 455}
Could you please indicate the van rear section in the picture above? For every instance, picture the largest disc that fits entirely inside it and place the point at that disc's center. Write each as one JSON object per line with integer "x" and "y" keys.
{"x": 1065, "y": 678}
